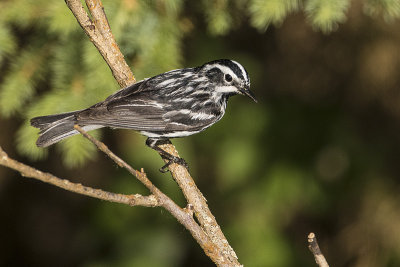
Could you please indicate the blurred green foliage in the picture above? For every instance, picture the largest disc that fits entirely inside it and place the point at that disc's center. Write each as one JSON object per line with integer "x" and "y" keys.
{"x": 318, "y": 153}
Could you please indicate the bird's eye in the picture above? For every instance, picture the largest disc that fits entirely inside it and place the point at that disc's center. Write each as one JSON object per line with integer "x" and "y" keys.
{"x": 228, "y": 78}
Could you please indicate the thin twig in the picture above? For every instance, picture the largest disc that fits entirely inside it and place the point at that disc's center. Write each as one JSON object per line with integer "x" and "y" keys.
{"x": 316, "y": 251}
{"x": 140, "y": 175}
{"x": 27, "y": 171}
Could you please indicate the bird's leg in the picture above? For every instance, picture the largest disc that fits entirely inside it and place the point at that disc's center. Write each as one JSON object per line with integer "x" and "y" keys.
{"x": 155, "y": 143}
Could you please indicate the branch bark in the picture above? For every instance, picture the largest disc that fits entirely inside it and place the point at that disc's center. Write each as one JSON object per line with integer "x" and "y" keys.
{"x": 194, "y": 196}
{"x": 102, "y": 38}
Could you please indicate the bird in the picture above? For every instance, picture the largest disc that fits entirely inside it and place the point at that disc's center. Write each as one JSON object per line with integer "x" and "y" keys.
{"x": 173, "y": 104}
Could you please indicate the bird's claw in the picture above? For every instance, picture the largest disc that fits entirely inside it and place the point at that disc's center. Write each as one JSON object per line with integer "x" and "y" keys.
{"x": 176, "y": 160}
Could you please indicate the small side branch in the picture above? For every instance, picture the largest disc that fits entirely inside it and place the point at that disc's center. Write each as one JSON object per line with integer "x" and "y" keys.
{"x": 27, "y": 171}
{"x": 140, "y": 175}
{"x": 316, "y": 251}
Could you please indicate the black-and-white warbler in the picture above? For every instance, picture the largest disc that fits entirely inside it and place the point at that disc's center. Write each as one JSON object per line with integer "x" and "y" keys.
{"x": 177, "y": 103}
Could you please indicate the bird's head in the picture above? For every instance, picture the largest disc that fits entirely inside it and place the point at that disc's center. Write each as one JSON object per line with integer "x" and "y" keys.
{"x": 229, "y": 77}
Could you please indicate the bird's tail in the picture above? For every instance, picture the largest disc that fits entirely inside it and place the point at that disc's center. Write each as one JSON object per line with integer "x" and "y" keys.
{"x": 54, "y": 128}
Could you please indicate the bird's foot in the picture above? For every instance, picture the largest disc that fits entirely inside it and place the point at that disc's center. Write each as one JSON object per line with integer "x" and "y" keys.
{"x": 155, "y": 144}
{"x": 176, "y": 160}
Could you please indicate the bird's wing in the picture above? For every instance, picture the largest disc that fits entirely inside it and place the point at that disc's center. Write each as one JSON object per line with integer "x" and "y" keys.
{"x": 142, "y": 113}
{"x": 148, "y": 106}
{"x": 136, "y": 113}
{"x": 127, "y": 91}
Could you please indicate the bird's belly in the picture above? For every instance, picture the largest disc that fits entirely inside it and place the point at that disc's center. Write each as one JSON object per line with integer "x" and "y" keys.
{"x": 181, "y": 129}
{"x": 181, "y": 123}
{"x": 169, "y": 134}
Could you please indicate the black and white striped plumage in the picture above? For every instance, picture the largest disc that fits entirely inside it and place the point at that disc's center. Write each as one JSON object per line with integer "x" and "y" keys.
{"x": 177, "y": 103}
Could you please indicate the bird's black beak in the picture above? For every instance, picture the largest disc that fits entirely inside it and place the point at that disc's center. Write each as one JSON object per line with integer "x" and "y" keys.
{"x": 245, "y": 90}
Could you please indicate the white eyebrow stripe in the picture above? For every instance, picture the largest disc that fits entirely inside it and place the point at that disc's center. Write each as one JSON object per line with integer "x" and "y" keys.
{"x": 244, "y": 73}
{"x": 224, "y": 69}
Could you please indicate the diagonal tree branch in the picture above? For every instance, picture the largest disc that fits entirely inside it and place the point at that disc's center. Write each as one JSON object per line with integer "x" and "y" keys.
{"x": 99, "y": 17}
{"x": 194, "y": 196}
{"x": 124, "y": 76}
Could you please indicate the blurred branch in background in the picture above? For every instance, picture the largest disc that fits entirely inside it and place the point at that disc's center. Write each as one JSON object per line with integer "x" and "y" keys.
{"x": 316, "y": 251}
